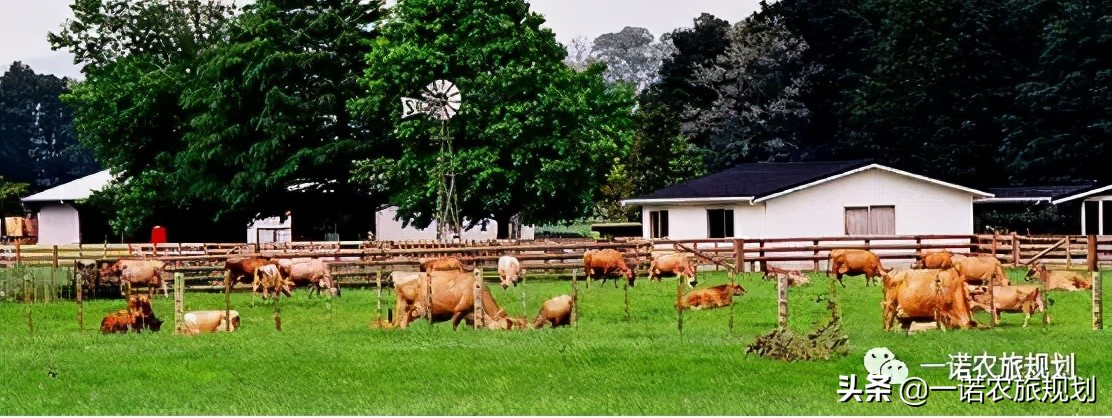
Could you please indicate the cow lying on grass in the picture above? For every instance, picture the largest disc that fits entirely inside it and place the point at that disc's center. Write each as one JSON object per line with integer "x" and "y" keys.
{"x": 197, "y": 322}
{"x": 137, "y": 316}
{"x": 794, "y": 277}
{"x": 1070, "y": 281}
{"x": 711, "y": 297}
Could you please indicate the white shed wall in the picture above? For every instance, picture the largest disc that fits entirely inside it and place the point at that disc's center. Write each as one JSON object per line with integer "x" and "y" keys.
{"x": 268, "y": 234}
{"x": 389, "y": 229}
{"x": 59, "y": 224}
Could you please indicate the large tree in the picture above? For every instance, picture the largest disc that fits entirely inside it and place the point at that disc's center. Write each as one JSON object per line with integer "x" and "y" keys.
{"x": 631, "y": 56}
{"x": 270, "y": 130}
{"x": 533, "y": 137}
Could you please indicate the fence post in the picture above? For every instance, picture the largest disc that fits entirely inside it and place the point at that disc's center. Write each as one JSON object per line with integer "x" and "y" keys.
{"x": 626, "y": 287}
{"x": 228, "y": 299}
{"x": 1098, "y": 302}
{"x": 815, "y": 257}
{"x": 79, "y": 286}
{"x": 764, "y": 264}
{"x": 679, "y": 306}
{"x": 782, "y": 301}
{"x": 740, "y": 255}
{"x": 179, "y": 302}
{"x": 1015, "y": 250}
{"x": 575, "y": 297}
{"x": 731, "y": 296}
{"x": 428, "y": 292}
{"x": 378, "y": 297}
{"x": 995, "y": 239}
{"x": 277, "y": 312}
{"x": 1069, "y": 251}
{"x": 992, "y": 303}
{"x": 477, "y": 298}
{"x": 1091, "y": 256}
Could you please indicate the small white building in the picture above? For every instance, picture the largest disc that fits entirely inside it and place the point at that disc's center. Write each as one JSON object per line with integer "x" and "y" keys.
{"x": 389, "y": 228}
{"x": 272, "y": 229}
{"x": 1086, "y": 199}
{"x": 808, "y": 199}
{"x": 59, "y": 221}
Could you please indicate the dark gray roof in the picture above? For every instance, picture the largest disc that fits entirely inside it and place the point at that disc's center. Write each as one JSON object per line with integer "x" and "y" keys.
{"x": 1033, "y": 192}
{"x": 755, "y": 179}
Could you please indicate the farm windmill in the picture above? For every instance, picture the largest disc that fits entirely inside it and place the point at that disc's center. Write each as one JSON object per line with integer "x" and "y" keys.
{"x": 441, "y": 101}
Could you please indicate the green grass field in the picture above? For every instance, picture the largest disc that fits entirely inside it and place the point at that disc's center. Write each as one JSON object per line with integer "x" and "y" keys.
{"x": 327, "y": 360}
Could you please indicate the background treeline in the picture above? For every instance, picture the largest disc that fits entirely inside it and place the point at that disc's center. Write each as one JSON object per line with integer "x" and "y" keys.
{"x": 214, "y": 116}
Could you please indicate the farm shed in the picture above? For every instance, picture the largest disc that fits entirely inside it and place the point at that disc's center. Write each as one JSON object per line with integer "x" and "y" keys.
{"x": 389, "y": 228}
{"x": 59, "y": 220}
{"x": 1040, "y": 210}
{"x": 807, "y": 199}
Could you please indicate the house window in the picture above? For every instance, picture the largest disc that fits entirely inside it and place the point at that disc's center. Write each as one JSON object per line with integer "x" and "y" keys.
{"x": 871, "y": 220}
{"x": 720, "y": 223}
{"x": 658, "y": 224}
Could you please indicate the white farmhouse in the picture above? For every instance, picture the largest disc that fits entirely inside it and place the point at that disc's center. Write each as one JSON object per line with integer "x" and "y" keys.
{"x": 807, "y": 199}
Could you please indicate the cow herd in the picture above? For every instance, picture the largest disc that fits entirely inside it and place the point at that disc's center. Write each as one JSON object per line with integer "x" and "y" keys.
{"x": 942, "y": 287}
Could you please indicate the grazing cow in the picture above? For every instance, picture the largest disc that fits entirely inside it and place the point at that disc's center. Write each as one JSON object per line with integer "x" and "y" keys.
{"x": 242, "y": 269}
{"x": 310, "y": 272}
{"x": 1067, "y": 280}
{"x": 442, "y": 264}
{"x": 847, "y": 262}
{"x": 936, "y": 260}
{"x": 197, "y": 322}
{"x": 452, "y": 298}
{"x": 1025, "y": 299}
{"x": 509, "y": 271}
{"x": 794, "y": 277}
{"x": 605, "y": 264}
{"x": 675, "y": 264}
{"x": 975, "y": 270}
{"x": 926, "y": 295}
{"x": 269, "y": 276}
{"x": 555, "y": 311}
{"x": 711, "y": 297}
{"x": 138, "y": 272}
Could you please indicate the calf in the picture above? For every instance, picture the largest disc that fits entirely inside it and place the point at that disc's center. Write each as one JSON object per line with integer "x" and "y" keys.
{"x": 794, "y": 277}
{"x": 711, "y": 297}
{"x": 197, "y": 322}
{"x": 555, "y": 311}
{"x": 605, "y": 264}
{"x": 846, "y": 262}
{"x": 1067, "y": 280}
{"x": 675, "y": 264}
{"x": 509, "y": 271}
{"x": 1025, "y": 299}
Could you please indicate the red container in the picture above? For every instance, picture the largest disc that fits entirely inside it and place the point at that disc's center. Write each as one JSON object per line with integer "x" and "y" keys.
{"x": 158, "y": 235}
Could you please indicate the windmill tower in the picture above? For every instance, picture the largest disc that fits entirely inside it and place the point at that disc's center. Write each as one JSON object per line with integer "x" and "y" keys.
{"x": 442, "y": 100}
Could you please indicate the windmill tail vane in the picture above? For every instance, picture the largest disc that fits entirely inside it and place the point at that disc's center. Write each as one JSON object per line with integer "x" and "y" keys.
{"x": 441, "y": 101}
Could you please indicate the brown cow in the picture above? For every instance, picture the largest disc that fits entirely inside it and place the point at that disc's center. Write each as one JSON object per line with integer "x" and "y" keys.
{"x": 138, "y": 272}
{"x": 452, "y": 298}
{"x": 975, "y": 270}
{"x": 269, "y": 276}
{"x": 442, "y": 264}
{"x": 120, "y": 321}
{"x": 926, "y": 295}
{"x": 936, "y": 260}
{"x": 794, "y": 277}
{"x": 197, "y": 322}
{"x": 555, "y": 311}
{"x": 1067, "y": 280}
{"x": 1025, "y": 299}
{"x": 675, "y": 264}
{"x": 605, "y": 264}
{"x": 137, "y": 316}
{"x": 711, "y": 297}
{"x": 849, "y": 262}
{"x": 242, "y": 269}
{"x": 309, "y": 272}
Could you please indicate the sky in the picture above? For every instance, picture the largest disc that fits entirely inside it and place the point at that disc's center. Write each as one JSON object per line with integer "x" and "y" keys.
{"x": 25, "y": 23}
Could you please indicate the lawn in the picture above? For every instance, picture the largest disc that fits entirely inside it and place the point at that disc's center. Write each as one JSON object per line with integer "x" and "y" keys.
{"x": 327, "y": 360}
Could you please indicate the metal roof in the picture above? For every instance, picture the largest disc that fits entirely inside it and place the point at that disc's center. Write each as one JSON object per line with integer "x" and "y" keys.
{"x": 78, "y": 189}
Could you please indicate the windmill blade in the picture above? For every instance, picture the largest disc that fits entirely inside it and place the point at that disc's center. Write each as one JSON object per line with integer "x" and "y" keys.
{"x": 412, "y": 107}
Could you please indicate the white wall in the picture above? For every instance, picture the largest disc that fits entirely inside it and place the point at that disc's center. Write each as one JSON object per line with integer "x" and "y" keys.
{"x": 389, "y": 229}
{"x": 266, "y": 235}
{"x": 922, "y": 208}
{"x": 59, "y": 224}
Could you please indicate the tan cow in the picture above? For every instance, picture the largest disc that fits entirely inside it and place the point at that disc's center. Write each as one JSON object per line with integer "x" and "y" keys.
{"x": 976, "y": 270}
{"x": 936, "y": 260}
{"x": 452, "y": 298}
{"x": 138, "y": 272}
{"x": 242, "y": 269}
{"x": 269, "y": 277}
{"x": 309, "y": 272}
{"x": 1025, "y": 299}
{"x": 1067, "y": 280}
{"x": 850, "y": 262}
{"x": 606, "y": 263}
{"x": 556, "y": 311}
{"x": 711, "y": 297}
{"x": 197, "y": 322}
{"x": 675, "y": 264}
{"x": 926, "y": 295}
{"x": 509, "y": 271}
